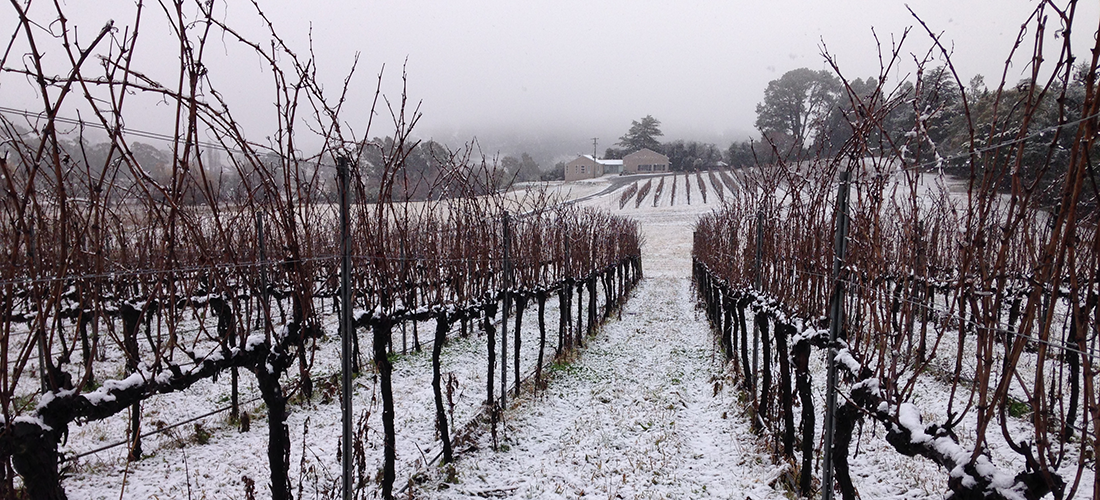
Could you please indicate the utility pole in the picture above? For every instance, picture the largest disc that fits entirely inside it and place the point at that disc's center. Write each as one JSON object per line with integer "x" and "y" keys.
{"x": 595, "y": 140}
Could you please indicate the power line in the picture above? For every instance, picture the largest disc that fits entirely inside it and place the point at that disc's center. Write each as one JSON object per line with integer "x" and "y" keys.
{"x": 130, "y": 131}
{"x": 1012, "y": 142}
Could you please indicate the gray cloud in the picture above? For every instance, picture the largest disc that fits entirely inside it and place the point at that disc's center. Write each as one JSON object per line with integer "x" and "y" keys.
{"x": 573, "y": 70}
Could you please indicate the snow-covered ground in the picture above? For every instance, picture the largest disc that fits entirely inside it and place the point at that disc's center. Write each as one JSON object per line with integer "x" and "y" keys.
{"x": 177, "y": 465}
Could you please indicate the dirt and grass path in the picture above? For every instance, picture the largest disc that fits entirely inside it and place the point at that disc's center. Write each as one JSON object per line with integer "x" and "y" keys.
{"x": 642, "y": 412}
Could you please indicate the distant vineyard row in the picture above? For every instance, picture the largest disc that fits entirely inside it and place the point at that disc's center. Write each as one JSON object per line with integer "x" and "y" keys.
{"x": 722, "y": 182}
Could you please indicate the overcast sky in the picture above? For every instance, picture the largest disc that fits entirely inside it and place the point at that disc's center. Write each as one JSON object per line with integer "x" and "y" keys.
{"x": 574, "y": 70}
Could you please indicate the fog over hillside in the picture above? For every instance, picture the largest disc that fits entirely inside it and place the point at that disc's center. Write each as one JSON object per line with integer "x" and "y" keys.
{"x": 549, "y": 146}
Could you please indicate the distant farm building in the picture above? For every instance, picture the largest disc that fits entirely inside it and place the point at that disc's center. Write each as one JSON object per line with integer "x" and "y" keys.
{"x": 643, "y": 161}
{"x": 589, "y": 167}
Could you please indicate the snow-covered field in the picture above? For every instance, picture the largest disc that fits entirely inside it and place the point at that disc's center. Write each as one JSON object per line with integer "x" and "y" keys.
{"x": 646, "y": 410}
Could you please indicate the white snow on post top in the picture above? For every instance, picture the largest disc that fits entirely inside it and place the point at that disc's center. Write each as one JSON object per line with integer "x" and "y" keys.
{"x": 909, "y": 417}
{"x": 135, "y": 379}
{"x": 164, "y": 377}
{"x": 33, "y": 420}
{"x": 50, "y": 396}
{"x": 103, "y": 394}
{"x": 99, "y": 396}
{"x": 844, "y": 357}
{"x": 871, "y": 384}
{"x": 254, "y": 341}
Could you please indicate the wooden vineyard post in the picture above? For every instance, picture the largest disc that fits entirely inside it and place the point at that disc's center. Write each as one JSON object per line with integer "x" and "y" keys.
{"x": 761, "y": 321}
{"x": 404, "y": 285}
{"x": 382, "y": 330}
{"x": 592, "y": 289}
{"x": 504, "y": 320}
{"x": 759, "y": 281}
{"x": 836, "y": 311}
{"x": 265, "y": 302}
{"x": 442, "y": 324}
{"x": 346, "y": 328}
{"x": 566, "y": 295}
{"x": 39, "y": 333}
{"x": 542, "y": 337}
{"x": 580, "y": 314}
{"x": 131, "y": 324}
{"x": 490, "y": 311}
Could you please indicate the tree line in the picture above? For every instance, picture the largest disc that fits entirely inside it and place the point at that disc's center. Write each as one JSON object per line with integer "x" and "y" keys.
{"x": 427, "y": 171}
{"x": 807, "y": 114}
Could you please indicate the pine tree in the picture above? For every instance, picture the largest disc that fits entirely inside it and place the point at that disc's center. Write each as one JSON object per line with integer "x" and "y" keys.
{"x": 642, "y": 135}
